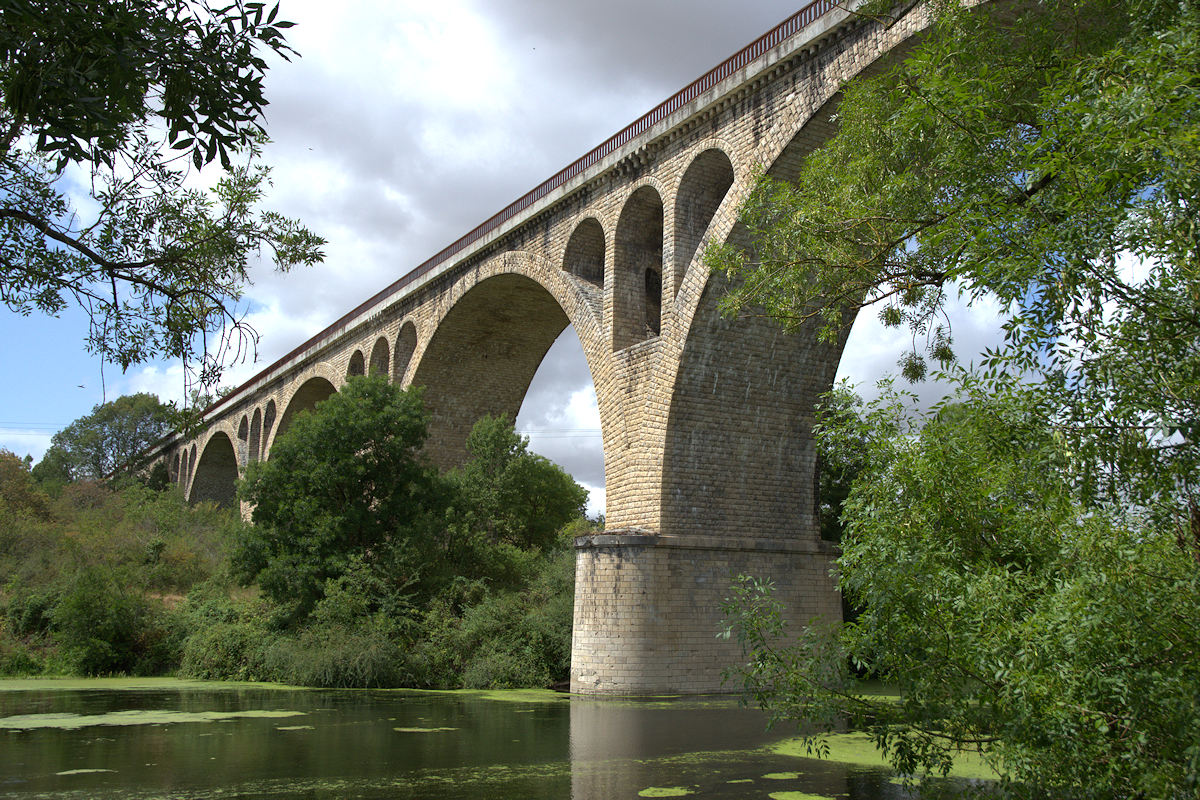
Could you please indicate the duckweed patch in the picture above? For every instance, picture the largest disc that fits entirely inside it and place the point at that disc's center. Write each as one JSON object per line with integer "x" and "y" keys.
{"x": 294, "y": 727}
{"x": 129, "y": 684}
{"x": 798, "y": 796}
{"x": 70, "y": 722}
{"x": 782, "y": 776}
{"x": 423, "y": 730}
{"x": 858, "y": 749}
{"x": 83, "y": 771}
{"x": 666, "y": 791}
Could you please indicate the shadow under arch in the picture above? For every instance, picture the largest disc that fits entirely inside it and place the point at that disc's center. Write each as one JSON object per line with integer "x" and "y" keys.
{"x": 216, "y": 473}
{"x": 482, "y": 358}
{"x": 311, "y": 392}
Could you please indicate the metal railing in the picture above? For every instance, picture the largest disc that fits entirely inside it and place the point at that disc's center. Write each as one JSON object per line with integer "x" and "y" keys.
{"x": 772, "y": 38}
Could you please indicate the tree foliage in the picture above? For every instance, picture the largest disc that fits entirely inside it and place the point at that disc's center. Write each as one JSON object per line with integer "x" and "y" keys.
{"x": 346, "y": 480}
{"x": 106, "y": 109}
{"x": 1025, "y": 558}
{"x": 510, "y": 494}
{"x": 1042, "y": 155}
{"x": 108, "y": 441}
{"x": 1057, "y": 637}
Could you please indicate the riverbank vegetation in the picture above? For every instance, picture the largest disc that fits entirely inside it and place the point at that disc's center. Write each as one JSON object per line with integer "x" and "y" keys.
{"x": 365, "y": 567}
{"x": 1026, "y": 555}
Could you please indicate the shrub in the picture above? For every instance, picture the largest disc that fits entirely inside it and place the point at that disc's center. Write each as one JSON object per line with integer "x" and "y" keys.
{"x": 99, "y": 623}
{"x": 230, "y": 651}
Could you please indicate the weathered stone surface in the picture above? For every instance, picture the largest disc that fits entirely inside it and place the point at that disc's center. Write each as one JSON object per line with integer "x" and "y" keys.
{"x": 706, "y": 422}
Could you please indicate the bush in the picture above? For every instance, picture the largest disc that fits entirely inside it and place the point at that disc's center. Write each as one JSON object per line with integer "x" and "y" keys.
{"x": 483, "y": 639}
{"x": 16, "y": 659}
{"x": 363, "y": 656}
{"x": 99, "y": 623}
{"x": 228, "y": 651}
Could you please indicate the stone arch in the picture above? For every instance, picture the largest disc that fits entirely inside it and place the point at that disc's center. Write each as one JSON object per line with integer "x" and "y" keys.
{"x": 584, "y": 256}
{"x": 175, "y": 466}
{"x": 406, "y": 345}
{"x": 268, "y": 424}
{"x": 637, "y": 269}
{"x": 311, "y": 392}
{"x": 739, "y": 456}
{"x": 358, "y": 365}
{"x": 217, "y": 473}
{"x": 256, "y": 438}
{"x": 243, "y": 443}
{"x": 483, "y": 355}
{"x": 191, "y": 466}
{"x": 701, "y": 190}
{"x": 380, "y": 356}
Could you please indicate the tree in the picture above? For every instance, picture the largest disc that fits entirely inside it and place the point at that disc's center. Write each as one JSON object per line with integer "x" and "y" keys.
{"x": 19, "y": 493}
{"x": 345, "y": 481}
{"x": 1025, "y": 559}
{"x": 126, "y": 98}
{"x": 1013, "y": 618}
{"x": 510, "y": 494}
{"x": 110, "y": 440}
{"x": 1054, "y": 171}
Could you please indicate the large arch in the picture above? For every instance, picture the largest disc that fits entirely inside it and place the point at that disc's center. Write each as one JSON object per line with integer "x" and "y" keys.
{"x": 482, "y": 357}
{"x": 217, "y": 473}
{"x": 311, "y": 392}
{"x": 637, "y": 269}
{"x": 701, "y": 190}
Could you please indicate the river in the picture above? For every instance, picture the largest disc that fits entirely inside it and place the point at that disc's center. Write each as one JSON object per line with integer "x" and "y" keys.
{"x": 162, "y": 738}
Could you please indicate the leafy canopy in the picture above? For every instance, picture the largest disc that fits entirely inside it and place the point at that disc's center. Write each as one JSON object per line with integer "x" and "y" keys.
{"x": 111, "y": 439}
{"x": 1042, "y": 155}
{"x": 105, "y": 108}
{"x": 511, "y": 495}
{"x": 346, "y": 480}
{"x": 1024, "y": 559}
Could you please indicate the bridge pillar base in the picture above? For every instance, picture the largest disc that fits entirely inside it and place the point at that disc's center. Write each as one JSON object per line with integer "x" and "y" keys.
{"x": 647, "y": 607}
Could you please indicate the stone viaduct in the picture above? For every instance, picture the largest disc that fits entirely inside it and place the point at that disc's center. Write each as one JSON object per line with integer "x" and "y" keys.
{"x": 709, "y": 461}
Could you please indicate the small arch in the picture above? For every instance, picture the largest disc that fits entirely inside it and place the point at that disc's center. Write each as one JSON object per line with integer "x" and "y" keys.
{"x": 175, "y": 462}
{"x": 584, "y": 257}
{"x": 217, "y": 473}
{"x": 268, "y": 424}
{"x": 379, "y": 358}
{"x": 243, "y": 435}
{"x": 313, "y": 391}
{"x": 256, "y": 434}
{"x": 701, "y": 190}
{"x": 406, "y": 344}
{"x": 191, "y": 466}
{"x": 357, "y": 365}
{"x": 637, "y": 269}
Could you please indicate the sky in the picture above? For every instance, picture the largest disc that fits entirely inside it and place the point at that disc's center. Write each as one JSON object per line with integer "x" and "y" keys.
{"x": 402, "y": 126}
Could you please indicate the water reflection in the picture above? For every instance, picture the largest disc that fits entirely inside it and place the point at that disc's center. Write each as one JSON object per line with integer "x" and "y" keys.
{"x": 401, "y": 744}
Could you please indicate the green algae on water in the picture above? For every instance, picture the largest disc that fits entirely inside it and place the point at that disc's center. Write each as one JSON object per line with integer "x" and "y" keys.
{"x": 858, "y": 749}
{"x": 666, "y": 791}
{"x": 798, "y": 796}
{"x": 131, "y": 684}
{"x": 83, "y": 771}
{"x": 782, "y": 776}
{"x": 72, "y": 722}
{"x": 294, "y": 727}
{"x": 423, "y": 730}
